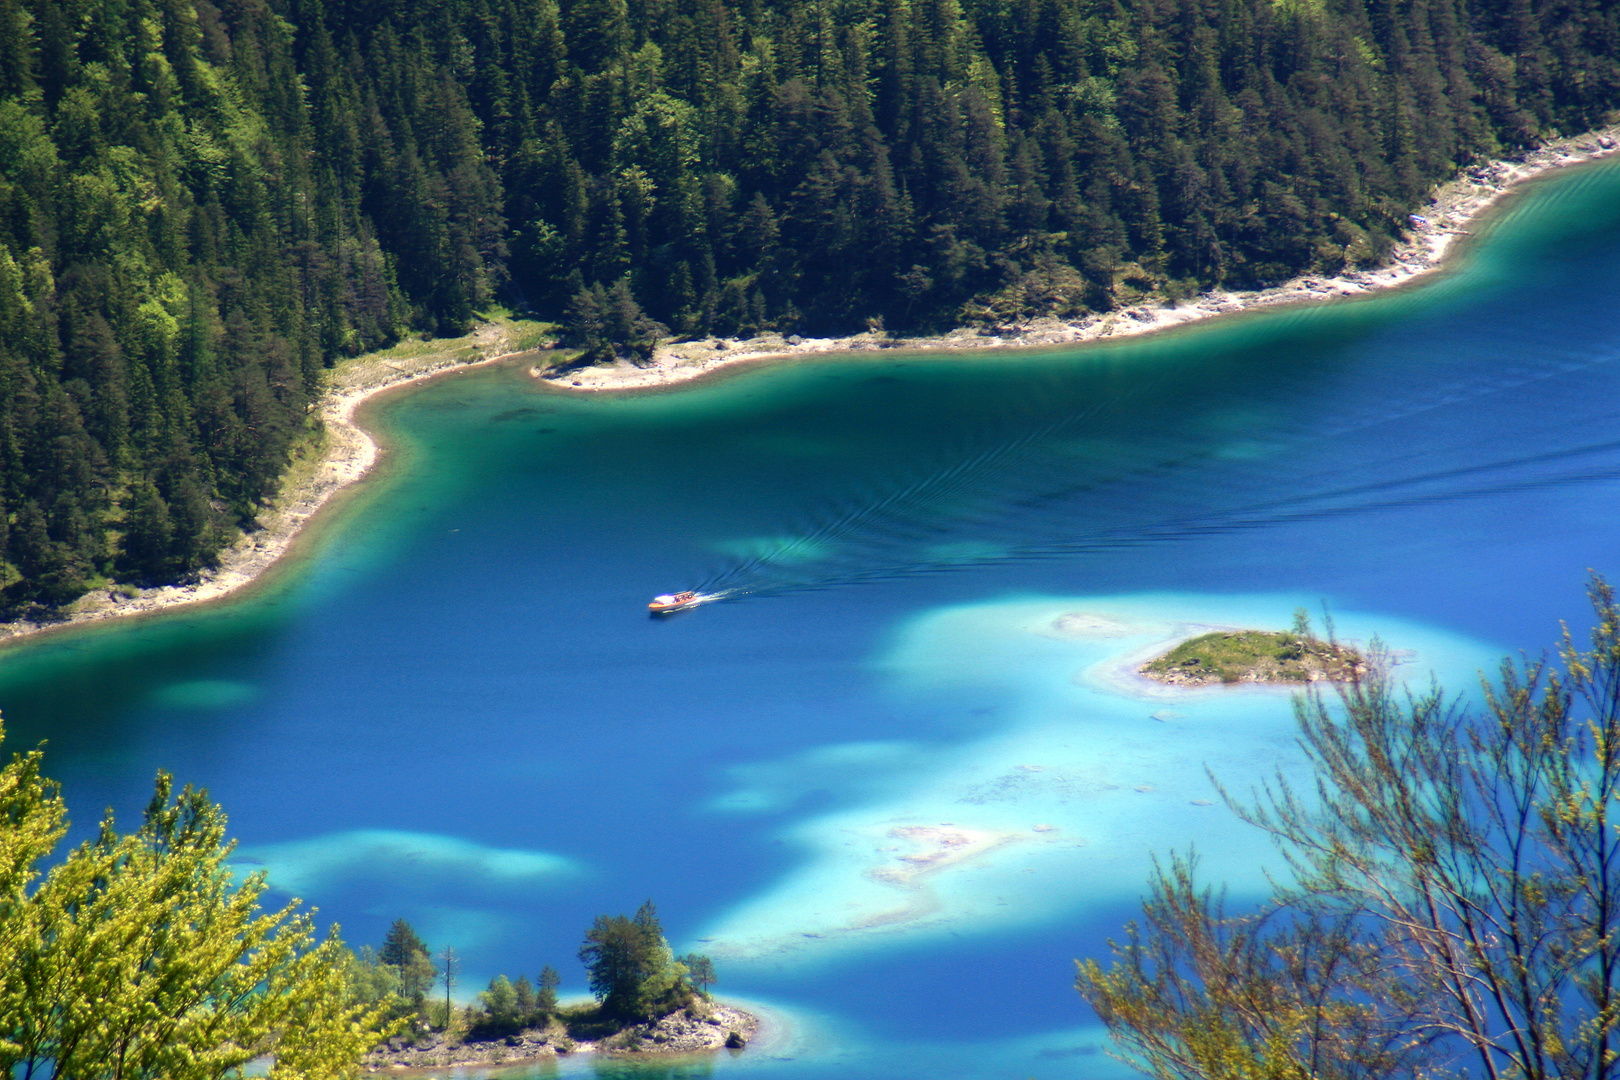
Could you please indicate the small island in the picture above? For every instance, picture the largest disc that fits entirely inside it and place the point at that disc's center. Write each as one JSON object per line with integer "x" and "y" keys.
{"x": 702, "y": 1027}
{"x": 1296, "y": 655}
{"x": 647, "y": 1000}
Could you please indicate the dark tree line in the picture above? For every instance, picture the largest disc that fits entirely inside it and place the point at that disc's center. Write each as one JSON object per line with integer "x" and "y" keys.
{"x": 632, "y": 971}
{"x": 201, "y": 206}
{"x": 741, "y": 164}
{"x": 203, "y": 202}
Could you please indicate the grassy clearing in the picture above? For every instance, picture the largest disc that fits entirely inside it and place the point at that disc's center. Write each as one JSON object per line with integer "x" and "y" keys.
{"x": 497, "y": 335}
{"x": 1255, "y": 656}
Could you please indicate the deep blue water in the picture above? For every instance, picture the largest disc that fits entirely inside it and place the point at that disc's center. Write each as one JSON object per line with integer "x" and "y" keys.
{"x": 454, "y": 708}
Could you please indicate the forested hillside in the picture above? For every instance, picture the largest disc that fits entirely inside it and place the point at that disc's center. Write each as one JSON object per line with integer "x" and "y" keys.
{"x": 202, "y": 204}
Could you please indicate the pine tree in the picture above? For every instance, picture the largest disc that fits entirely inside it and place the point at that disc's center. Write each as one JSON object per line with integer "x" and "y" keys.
{"x": 410, "y": 957}
{"x": 545, "y": 998}
{"x": 631, "y": 969}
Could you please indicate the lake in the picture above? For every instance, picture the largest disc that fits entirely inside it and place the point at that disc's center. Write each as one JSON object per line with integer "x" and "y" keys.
{"x": 901, "y": 777}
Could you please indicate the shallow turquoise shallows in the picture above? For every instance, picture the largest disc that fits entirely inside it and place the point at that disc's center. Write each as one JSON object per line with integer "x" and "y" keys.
{"x": 900, "y": 777}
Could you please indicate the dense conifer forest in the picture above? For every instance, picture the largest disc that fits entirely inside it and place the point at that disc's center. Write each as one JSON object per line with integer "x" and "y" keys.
{"x": 203, "y": 203}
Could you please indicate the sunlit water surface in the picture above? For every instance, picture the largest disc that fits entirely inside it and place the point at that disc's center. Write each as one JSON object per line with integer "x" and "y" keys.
{"x": 902, "y": 776}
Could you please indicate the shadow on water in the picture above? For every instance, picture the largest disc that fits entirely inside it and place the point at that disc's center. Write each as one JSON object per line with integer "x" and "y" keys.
{"x": 189, "y": 662}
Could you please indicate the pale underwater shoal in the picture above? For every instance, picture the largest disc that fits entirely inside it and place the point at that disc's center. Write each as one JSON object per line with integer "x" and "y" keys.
{"x": 1054, "y": 809}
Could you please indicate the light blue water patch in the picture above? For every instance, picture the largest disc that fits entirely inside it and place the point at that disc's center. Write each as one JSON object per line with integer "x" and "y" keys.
{"x": 778, "y": 550}
{"x": 341, "y": 859}
{"x": 773, "y": 786}
{"x": 461, "y": 928}
{"x": 1247, "y": 450}
{"x": 204, "y": 694}
{"x": 1058, "y": 811}
{"x": 963, "y": 551}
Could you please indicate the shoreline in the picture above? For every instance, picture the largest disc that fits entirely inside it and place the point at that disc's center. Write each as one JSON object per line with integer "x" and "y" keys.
{"x": 680, "y": 1035}
{"x": 348, "y": 453}
{"x": 1451, "y": 208}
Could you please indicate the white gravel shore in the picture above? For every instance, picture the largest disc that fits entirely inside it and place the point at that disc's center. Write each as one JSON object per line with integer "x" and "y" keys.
{"x": 1452, "y": 208}
{"x": 350, "y": 453}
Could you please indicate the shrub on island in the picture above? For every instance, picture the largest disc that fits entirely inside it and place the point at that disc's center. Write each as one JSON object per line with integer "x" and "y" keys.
{"x": 1293, "y": 656}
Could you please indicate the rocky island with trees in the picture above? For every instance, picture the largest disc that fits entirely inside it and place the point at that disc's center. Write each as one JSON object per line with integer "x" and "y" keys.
{"x": 647, "y": 1000}
{"x": 141, "y": 956}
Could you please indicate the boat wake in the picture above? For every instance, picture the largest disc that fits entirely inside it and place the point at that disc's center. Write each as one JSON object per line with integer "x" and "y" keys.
{"x": 1099, "y": 480}
{"x": 673, "y": 603}
{"x": 1194, "y": 496}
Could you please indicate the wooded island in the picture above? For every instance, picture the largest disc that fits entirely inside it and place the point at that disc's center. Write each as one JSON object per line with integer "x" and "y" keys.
{"x": 1226, "y": 657}
{"x": 647, "y": 1001}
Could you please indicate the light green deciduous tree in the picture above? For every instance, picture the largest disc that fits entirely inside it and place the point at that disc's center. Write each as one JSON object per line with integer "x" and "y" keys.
{"x": 140, "y": 955}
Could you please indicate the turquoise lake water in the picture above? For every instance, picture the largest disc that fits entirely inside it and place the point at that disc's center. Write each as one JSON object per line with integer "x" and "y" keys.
{"x": 897, "y": 782}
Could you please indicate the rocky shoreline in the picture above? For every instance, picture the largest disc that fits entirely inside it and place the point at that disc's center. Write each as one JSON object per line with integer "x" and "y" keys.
{"x": 1450, "y": 210}
{"x": 699, "y": 1030}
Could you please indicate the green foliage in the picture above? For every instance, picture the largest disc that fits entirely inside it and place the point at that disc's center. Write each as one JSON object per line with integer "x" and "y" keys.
{"x": 699, "y": 972}
{"x": 605, "y": 322}
{"x": 1451, "y": 903}
{"x": 1196, "y": 992}
{"x": 401, "y": 945}
{"x": 139, "y": 955}
{"x": 371, "y": 981}
{"x": 505, "y": 1008}
{"x": 501, "y": 1014}
{"x": 196, "y": 213}
{"x": 545, "y": 998}
{"x": 407, "y": 955}
{"x": 632, "y": 971}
